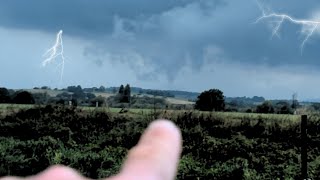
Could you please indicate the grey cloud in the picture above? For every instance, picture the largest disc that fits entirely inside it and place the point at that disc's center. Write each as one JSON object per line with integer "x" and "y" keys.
{"x": 164, "y": 41}
{"x": 78, "y": 17}
{"x": 169, "y": 40}
{"x": 161, "y": 37}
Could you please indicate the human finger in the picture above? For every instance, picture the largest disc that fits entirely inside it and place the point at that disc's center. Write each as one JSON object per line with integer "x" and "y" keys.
{"x": 156, "y": 155}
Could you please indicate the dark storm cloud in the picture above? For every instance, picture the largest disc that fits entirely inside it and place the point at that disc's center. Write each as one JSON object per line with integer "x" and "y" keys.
{"x": 181, "y": 35}
{"x": 85, "y": 17}
{"x": 163, "y": 36}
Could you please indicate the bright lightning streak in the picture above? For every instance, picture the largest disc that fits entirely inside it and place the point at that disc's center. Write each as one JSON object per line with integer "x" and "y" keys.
{"x": 55, "y": 51}
{"x": 308, "y": 26}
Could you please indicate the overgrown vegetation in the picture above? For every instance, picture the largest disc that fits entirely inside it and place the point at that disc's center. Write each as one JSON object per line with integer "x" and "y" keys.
{"x": 216, "y": 145}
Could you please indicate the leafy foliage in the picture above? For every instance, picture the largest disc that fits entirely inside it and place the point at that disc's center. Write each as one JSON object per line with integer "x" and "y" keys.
{"x": 23, "y": 97}
{"x": 96, "y": 142}
{"x": 210, "y": 100}
{"x": 4, "y": 95}
{"x": 266, "y": 107}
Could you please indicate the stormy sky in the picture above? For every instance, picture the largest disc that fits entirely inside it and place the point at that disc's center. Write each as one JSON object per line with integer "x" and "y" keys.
{"x": 190, "y": 45}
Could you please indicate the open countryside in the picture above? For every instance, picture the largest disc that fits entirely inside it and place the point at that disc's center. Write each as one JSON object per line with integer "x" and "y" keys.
{"x": 91, "y": 129}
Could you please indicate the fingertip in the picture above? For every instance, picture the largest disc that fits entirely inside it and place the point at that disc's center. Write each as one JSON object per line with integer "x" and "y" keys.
{"x": 166, "y": 127}
{"x": 162, "y": 133}
{"x": 51, "y": 173}
{"x": 157, "y": 153}
{"x": 59, "y": 172}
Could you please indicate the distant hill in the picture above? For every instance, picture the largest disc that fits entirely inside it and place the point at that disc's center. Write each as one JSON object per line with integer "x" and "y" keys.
{"x": 246, "y": 100}
{"x": 180, "y": 97}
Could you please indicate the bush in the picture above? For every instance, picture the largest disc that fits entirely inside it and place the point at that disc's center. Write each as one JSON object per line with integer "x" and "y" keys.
{"x": 215, "y": 145}
{"x": 265, "y": 107}
{"x": 23, "y": 97}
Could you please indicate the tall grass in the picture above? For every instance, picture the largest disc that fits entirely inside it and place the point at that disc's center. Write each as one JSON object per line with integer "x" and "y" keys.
{"x": 216, "y": 145}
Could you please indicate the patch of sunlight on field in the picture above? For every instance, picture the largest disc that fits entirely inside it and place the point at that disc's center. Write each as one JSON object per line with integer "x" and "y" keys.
{"x": 105, "y": 95}
{"x": 178, "y": 101}
{"x": 118, "y": 110}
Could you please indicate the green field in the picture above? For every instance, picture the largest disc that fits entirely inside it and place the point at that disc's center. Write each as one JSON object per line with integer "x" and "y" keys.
{"x": 217, "y": 145}
{"x": 231, "y": 116}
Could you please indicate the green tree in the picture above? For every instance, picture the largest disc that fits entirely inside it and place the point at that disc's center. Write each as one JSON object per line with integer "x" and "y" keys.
{"x": 121, "y": 90}
{"x": 41, "y": 98}
{"x": 100, "y": 100}
{"x": 23, "y": 97}
{"x": 102, "y": 89}
{"x": 126, "y": 94}
{"x": 283, "y": 107}
{"x": 77, "y": 92}
{"x": 4, "y": 95}
{"x": 316, "y": 106}
{"x": 211, "y": 100}
{"x": 266, "y": 107}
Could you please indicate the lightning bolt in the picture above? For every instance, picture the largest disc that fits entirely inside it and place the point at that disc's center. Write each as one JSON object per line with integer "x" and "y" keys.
{"x": 308, "y": 26}
{"x": 55, "y": 51}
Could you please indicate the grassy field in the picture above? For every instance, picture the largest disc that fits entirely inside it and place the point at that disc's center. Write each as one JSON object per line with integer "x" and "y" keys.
{"x": 54, "y": 93}
{"x": 221, "y": 115}
{"x": 105, "y": 95}
{"x": 227, "y": 118}
{"x": 95, "y": 140}
{"x": 178, "y": 101}
{"x": 7, "y": 108}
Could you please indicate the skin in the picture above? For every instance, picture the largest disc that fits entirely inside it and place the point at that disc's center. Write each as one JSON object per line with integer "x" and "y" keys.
{"x": 155, "y": 157}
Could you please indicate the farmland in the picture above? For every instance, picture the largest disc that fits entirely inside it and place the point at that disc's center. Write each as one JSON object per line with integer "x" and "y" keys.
{"x": 217, "y": 145}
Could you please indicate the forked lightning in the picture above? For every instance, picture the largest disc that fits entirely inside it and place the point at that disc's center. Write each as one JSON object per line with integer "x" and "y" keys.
{"x": 308, "y": 26}
{"x": 55, "y": 51}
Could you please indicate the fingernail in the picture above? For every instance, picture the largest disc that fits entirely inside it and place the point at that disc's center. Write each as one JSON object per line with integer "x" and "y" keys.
{"x": 163, "y": 124}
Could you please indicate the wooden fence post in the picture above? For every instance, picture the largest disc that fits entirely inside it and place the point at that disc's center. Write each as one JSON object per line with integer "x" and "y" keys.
{"x": 304, "y": 147}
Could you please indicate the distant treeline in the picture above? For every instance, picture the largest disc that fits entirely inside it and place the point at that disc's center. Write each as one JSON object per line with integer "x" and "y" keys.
{"x": 134, "y": 97}
{"x": 246, "y": 100}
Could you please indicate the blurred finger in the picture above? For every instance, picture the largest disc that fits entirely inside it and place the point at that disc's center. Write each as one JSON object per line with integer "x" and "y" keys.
{"x": 157, "y": 154}
{"x": 52, "y": 173}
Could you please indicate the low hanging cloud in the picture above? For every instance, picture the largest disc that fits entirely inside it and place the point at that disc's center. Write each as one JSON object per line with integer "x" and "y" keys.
{"x": 161, "y": 43}
{"x": 167, "y": 41}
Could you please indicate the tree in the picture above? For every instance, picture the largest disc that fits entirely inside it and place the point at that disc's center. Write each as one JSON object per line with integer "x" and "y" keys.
{"x": 266, "y": 107}
{"x": 45, "y": 87}
{"x": 211, "y": 100}
{"x": 258, "y": 99}
{"x": 102, "y": 89}
{"x": 4, "y": 95}
{"x": 100, "y": 100}
{"x": 77, "y": 92}
{"x": 283, "y": 107}
{"x": 75, "y": 89}
{"x": 126, "y": 94}
{"x": 90, "y": 95}
{"x": 40, "y": 98}
{"x": 316, "y": 106}
{"x": 23, "y": 97}
{"x": 121, "y": 90}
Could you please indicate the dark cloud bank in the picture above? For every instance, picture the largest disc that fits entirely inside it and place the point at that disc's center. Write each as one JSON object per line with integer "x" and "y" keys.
{"x": 164, "y": 36}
